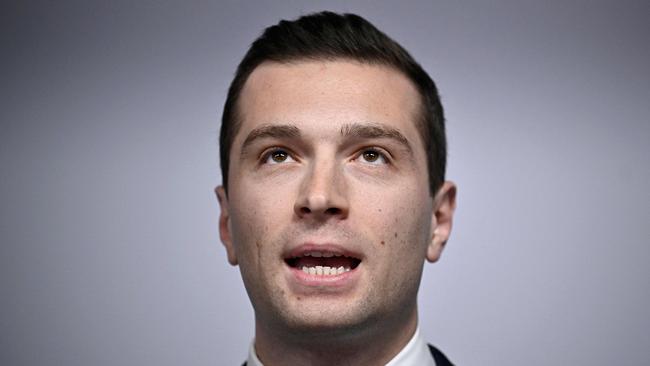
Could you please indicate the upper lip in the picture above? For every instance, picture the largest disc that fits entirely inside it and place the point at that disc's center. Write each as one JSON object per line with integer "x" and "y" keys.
{"x": 325, "y": 248}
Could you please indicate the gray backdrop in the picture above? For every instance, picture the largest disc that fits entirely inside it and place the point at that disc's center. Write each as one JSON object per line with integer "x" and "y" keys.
{"x": 109, "y": 154}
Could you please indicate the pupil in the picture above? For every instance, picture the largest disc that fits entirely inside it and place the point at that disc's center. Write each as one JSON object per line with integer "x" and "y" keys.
{"x": 370, "y": 155}
{"x": 279, "y": 156}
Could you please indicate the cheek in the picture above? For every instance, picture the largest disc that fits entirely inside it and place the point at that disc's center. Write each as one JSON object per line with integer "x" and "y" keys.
{"x": 400, "y": 220}
{"x": 257, "y": 217}
{"x": 400, "y": 227}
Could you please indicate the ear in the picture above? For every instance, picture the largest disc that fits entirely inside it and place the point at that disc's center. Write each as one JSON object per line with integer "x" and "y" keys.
{"x": 444, "y": 204}
{"x": 224, "y": 225}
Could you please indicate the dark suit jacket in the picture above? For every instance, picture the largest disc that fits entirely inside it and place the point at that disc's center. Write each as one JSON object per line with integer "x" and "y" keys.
{"x": 439, "y": 357}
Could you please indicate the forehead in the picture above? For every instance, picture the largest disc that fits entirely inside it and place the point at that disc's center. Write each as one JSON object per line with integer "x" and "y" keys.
{"x": 318, "y": 96}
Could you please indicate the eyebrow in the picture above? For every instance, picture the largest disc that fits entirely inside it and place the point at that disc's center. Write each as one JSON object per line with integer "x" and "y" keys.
{"x": 271, "y": 131}
{"x": 373, "y": 131}
{"x": 350, "y": 131}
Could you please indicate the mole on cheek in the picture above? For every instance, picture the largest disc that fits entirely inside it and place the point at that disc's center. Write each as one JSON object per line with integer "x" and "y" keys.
{"x": 383, "y": 242}
{"x": 396, "y": 234}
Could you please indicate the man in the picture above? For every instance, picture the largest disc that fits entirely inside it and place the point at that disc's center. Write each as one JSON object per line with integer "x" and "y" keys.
{"x": 333, "y": 157}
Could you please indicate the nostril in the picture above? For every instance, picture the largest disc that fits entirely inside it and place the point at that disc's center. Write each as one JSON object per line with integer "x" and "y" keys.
{"x": 333, "y": 211}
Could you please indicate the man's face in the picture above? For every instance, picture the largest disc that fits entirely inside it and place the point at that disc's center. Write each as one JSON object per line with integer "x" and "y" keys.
{"x": 328, "y": 212}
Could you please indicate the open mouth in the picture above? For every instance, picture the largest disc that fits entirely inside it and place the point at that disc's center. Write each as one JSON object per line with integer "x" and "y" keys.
{"x": 323, "y": 263}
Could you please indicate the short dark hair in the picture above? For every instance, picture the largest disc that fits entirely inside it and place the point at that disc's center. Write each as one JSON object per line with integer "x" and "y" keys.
{"x": 331, "y": 36}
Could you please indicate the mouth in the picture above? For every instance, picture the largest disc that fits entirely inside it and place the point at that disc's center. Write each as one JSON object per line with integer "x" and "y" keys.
{"x": 321, "y": 262}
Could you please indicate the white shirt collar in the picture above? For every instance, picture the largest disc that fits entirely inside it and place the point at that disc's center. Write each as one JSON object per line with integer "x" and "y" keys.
{"x": 252, "y": 356}
{"x": 415, "y": 353}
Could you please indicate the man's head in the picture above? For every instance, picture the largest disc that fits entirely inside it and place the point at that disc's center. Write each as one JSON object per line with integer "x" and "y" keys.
{"x": 330, "y": 36}
{"x": 328, "y": 158}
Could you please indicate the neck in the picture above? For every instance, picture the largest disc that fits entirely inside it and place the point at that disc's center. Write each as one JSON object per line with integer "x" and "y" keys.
{"x": 372, "y": 345}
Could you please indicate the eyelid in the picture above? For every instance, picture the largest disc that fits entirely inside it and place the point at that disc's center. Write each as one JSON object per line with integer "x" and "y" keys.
{"x": 388, "y": 158}
{"x": 266, "y": 154}
{"x": 383, "y": 153}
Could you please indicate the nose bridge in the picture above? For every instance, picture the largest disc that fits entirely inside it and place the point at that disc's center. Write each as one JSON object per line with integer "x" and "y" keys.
{"x": 323, "y": 190}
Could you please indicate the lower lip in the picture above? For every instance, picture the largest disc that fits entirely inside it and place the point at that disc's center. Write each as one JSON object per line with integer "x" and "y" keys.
{"x": 334, "y": 281}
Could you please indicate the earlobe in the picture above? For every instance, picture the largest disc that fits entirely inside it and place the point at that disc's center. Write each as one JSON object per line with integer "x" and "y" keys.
{"x": 444, "y": 205}
{"x": 224, "y": 225}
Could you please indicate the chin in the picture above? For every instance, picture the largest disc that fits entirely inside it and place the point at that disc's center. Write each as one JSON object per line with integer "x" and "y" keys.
{"x": 322, "y": 317}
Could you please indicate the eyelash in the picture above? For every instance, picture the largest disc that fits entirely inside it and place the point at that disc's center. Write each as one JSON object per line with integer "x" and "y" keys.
{"x": 380, "y": 155}
{"x": 264, "y": 159}
{"x": 268, "y": 154}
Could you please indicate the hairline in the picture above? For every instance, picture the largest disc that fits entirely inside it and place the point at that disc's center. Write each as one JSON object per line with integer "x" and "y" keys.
{"x": 419, "y": 119}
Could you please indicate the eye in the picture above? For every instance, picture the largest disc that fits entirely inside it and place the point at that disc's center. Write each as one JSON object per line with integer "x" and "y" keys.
{"x": 372, "y": 156}
{"x": 277, "y": 156}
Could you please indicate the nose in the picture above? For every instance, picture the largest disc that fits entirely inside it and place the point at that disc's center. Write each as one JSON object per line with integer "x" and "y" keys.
{"x": 322, "y": 194}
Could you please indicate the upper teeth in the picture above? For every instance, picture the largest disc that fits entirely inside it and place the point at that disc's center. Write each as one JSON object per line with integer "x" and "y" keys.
{"x": 324, "y": 270}
{"x": 322, "y": 254}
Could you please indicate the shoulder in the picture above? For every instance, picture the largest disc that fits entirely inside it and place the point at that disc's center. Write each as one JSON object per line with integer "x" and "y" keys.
{"x": 438, "y": 356}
